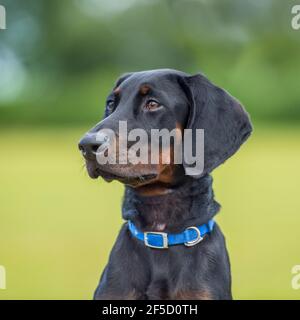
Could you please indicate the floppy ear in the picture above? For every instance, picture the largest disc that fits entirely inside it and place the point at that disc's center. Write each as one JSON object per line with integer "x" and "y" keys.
{"x": 122, "y": 78}
{"x": 225, "y": 122}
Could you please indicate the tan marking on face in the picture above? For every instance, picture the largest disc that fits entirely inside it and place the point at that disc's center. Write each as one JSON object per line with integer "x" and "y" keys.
{"x": 144, "y": 89}
{"x": 152, "y": 190}
{"x": 166, "y": 170}
{"x": 178, "y": 133}
{"x": 117, "y": 91}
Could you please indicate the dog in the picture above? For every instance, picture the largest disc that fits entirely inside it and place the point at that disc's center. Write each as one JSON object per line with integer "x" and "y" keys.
{"x": 169, "y": 246}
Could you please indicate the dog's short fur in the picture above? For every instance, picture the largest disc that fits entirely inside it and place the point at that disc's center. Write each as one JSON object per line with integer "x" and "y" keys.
{"x": 162, "y": 197}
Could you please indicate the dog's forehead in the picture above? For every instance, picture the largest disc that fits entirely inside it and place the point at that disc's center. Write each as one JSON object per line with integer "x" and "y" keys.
{"x": 159, "y": 79}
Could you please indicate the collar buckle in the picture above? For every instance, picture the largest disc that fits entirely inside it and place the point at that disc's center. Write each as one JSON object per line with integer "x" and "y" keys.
{"x": 164, "y": 240}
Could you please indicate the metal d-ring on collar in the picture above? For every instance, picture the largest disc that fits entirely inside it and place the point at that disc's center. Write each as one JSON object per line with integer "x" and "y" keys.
{"x": 195, "y": 241}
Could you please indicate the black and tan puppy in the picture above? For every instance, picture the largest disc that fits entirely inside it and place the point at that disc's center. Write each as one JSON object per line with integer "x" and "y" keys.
{"x": 161, "y": 197}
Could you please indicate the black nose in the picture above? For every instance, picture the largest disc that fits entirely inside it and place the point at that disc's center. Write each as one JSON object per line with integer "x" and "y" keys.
{"x": 89, "y": 145}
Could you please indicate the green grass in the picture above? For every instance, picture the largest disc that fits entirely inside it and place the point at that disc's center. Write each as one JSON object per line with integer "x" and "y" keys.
{"x": 57, "y": 226}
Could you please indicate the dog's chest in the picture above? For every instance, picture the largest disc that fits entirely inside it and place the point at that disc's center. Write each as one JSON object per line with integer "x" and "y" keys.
{"x": 166, "y": 274}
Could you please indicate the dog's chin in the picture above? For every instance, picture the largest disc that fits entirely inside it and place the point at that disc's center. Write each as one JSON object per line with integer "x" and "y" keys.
{"x": 134, "y": 179}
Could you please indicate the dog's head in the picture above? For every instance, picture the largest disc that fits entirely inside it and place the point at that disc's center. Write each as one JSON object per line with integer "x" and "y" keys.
{"x": 173, "y": 101}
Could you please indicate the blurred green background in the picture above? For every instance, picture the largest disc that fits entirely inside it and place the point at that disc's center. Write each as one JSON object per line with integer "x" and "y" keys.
{"x": 58, "y": 61}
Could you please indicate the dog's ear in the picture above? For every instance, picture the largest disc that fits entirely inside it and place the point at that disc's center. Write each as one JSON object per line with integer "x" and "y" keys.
{"x": 122, "y": 78}
{"x": 225, "y": 122}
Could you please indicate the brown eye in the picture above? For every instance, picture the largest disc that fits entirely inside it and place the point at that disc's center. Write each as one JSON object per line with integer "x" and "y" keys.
{"x": 151, "y": 105}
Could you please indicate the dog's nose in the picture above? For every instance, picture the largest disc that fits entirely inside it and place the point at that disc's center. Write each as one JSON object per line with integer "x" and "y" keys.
{"x": 90, "y": 144}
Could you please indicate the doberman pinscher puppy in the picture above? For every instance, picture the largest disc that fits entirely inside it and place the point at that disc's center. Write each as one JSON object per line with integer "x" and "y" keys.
{"x": 169, "y": 247}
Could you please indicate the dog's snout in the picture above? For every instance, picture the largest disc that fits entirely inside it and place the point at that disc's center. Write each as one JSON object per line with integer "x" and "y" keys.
{"x": 90, "y": 144}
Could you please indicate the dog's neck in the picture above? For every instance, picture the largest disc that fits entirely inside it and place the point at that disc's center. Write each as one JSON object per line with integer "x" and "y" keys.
{"x": 190, "y": 204}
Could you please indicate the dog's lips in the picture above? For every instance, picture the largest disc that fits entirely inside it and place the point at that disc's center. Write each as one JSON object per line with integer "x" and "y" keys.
{"x": 95, "y": 171}
{"x": 133, "y": 181}
{"x": 140, "y": 180}
{"x": 92, "y": 170}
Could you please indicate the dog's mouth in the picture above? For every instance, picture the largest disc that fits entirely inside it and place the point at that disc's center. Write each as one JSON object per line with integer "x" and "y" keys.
{"x": 134, "y": 180}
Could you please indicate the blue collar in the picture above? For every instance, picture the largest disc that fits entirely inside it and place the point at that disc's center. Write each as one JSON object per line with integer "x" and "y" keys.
{"x": 161, "y": 240}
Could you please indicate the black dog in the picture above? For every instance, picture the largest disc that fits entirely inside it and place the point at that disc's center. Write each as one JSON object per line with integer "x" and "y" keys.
{"x": 162, "y": 198}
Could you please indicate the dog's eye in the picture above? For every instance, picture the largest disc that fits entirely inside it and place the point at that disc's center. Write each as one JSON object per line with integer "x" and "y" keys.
{"x": 110, "y": 105}
{"x": 152, "y": 104}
